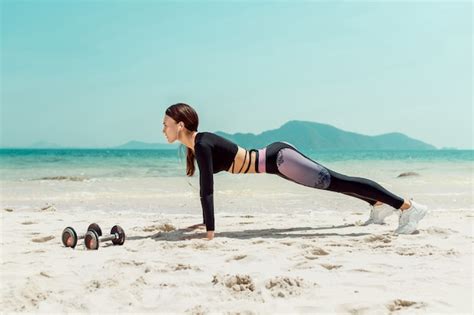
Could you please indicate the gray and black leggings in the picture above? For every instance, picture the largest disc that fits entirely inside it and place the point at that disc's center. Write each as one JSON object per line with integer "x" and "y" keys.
{"x": 284, "y": 160}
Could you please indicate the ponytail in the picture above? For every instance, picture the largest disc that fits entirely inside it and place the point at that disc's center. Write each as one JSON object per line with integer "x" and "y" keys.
{"x": 190, "y": 157}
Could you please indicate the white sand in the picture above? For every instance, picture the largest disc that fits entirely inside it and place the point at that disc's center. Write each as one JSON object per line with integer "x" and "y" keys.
{"x": 285, "y": 249}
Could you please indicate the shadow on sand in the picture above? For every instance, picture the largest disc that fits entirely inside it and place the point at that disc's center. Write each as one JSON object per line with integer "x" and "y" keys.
{"x": 184, "y": 234}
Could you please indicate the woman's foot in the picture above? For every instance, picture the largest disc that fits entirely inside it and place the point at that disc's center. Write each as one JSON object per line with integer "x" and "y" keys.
{"x": 378, "y": 213}
{"x": 409, "y": 218}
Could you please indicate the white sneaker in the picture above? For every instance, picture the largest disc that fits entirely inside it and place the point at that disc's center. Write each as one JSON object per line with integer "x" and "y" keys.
{"x": 409, "y": 218}
{"x": 379, "y": 213}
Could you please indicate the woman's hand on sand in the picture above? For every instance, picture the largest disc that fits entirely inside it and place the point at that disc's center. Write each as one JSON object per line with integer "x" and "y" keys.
{"x": 210, "y": 235}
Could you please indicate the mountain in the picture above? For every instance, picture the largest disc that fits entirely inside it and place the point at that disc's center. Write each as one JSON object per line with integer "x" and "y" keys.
{"x": 305, "y": 135}
{"x": 137, "y": 145}
{"x": 312, "y": 136}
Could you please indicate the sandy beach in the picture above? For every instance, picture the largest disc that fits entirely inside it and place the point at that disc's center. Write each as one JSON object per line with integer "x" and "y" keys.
{"x": 279, "y": 248}
{"x": 107, "y": 106}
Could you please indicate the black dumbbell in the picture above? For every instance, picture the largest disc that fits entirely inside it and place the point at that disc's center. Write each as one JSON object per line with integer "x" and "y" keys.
{"x": 92, "y": 238}
{"x": 70, "y": 237}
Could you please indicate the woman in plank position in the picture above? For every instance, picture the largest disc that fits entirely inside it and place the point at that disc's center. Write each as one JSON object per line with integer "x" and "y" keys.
{"x": 215, "y": 154}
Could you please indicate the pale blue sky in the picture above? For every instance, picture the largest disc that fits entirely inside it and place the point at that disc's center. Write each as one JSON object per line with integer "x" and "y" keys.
{"x": 101, "y": 73}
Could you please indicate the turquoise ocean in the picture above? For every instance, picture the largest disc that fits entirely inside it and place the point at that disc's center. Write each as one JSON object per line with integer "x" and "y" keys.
{"x": 155, "y": 181}
{"x": 34, "y": 164}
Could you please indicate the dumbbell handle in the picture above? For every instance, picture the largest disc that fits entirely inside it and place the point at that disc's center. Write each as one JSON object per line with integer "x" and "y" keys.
{"x": 109, "y": 237}
{"x": 81, "y": 236}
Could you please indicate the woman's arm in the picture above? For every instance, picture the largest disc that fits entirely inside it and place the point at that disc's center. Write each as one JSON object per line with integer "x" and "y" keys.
{"x": 206, "y": 181}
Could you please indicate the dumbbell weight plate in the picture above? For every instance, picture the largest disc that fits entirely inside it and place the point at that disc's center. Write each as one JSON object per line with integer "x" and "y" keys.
{"x": 95, "y": 227}
{"x": 117, "y": 229}
{"x": 69, "y": 236}
{"x": 91, "y": 240}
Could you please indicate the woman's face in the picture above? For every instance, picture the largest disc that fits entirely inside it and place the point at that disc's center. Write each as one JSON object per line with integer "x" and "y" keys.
{"x": 170, "y": 129}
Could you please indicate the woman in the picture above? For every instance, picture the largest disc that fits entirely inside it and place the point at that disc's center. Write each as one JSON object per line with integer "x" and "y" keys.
{"x": 214, "y": 154}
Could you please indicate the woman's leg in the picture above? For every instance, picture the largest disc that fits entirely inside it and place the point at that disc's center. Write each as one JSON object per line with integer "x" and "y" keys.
{"x": 295, "y": 166}
{"x": 364, "y": 187}
{"x": 372, "y": 202}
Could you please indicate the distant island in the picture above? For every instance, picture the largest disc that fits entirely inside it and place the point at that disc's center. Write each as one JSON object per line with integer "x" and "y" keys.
{"x": 312, "y": 136}
{"x": 305, "y": 135}
{"x": 309, "y": 136}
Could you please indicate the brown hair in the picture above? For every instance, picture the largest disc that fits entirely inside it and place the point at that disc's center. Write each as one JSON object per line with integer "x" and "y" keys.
{"x": 185, "y": 113}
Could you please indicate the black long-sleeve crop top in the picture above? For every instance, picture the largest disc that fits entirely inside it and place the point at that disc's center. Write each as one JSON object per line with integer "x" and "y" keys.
{"x": 213, "y": 154}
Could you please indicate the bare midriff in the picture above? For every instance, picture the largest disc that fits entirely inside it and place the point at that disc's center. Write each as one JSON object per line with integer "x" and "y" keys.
{"x": 241, "y": 165}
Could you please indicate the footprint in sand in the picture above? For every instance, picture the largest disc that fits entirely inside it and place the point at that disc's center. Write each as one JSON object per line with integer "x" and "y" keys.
{"x": 236, "y": 283}
{"x": 330, "y": 266}
{"x": 200, "y": 246}
{"x": 380, "y": 246}
{"x": 303, "y": 265}
{"x": 29, "y": 222}
{"x": 357, "y": 310}
{"x": 398, "y": 305}
{"x": 179, "y": 267}
{"x": 451, "y": 252}
{"x": 340, "y": 245}
{"x": 361, "y": 270}
{"x": 197, "y": 310}
{"x": 44, "y": 274}
{"x": 284, "y": 286}
{"x": 236, "y": 257}
{"x": 139, "y": 282}
{"x": 244, "y": 223}
{"x": 127, "y": 262}
{"x": 378, "y": 238}
{"x": 50, "y": 208}
{"x": 315, "y": 252}
{"x": 406, "y": 252}
{"x": 167, "y": 285}
{"x": 96, "y": 284}
{"x": 159, "y": 228}
{"x": 43, "y": 239}
{"x": 33, "y": 293}
{"x": 318, "y": 251}
{"x": 425, "y": 250}
{"x": 440, "y": 231}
